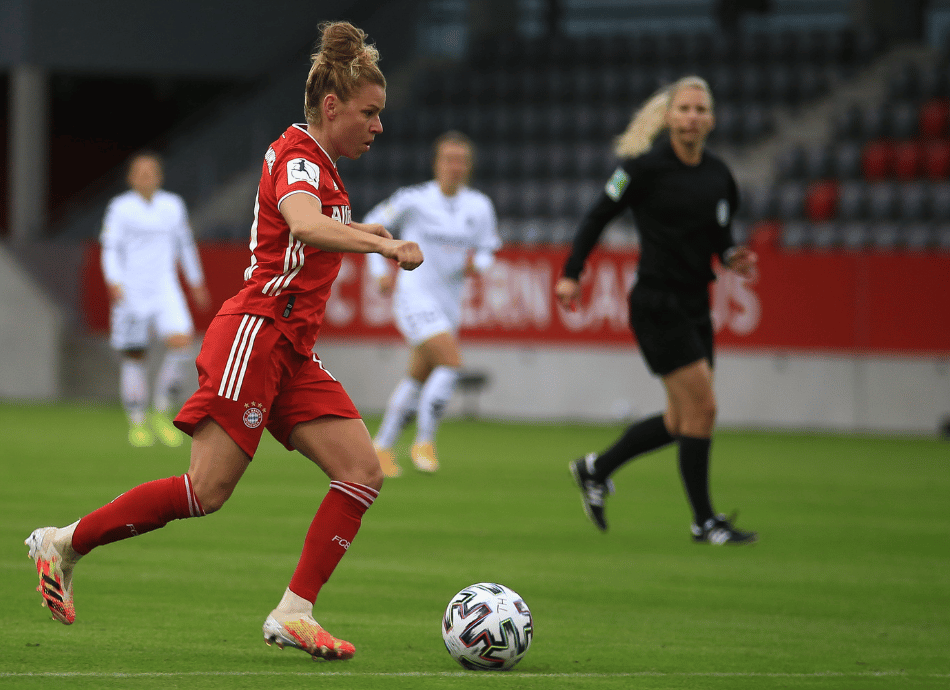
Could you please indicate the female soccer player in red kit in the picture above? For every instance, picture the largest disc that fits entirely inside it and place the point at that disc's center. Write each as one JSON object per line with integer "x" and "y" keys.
{"x": 257, "y": 368}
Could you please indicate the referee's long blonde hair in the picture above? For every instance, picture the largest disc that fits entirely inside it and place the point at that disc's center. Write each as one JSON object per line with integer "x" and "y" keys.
{"x": 650, "y": 118}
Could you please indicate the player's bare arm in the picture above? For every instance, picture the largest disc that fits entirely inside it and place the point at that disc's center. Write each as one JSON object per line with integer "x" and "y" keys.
{"x": 304, "y": 216}
{"x": 372, "y": 228}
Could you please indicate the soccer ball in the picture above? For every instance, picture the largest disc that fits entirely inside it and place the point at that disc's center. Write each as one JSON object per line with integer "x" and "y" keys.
{"x": 487, "y": 627}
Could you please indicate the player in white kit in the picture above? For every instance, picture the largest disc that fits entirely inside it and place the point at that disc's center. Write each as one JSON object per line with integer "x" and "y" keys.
{"x": 456, "y": 228}
{"x": 145, "y": 237}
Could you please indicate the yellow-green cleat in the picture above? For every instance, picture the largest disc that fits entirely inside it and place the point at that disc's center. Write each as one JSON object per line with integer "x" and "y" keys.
{"x": 167, "y": 432}
{"x": 140, "y": 436}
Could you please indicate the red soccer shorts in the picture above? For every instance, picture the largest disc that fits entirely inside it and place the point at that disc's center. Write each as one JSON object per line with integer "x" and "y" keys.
{"x": 251, "y": 378}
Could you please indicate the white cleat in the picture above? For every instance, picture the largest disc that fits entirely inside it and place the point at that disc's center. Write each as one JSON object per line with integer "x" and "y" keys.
{"x": 50, "y": 549}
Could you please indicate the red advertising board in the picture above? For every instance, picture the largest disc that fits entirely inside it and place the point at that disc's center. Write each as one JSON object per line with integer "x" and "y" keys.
{"x": 860, "y": 303}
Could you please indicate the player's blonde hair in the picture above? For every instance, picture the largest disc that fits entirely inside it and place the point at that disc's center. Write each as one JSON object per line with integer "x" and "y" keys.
{"x": 343, "y": 63}
{"x": 650, "y": 118}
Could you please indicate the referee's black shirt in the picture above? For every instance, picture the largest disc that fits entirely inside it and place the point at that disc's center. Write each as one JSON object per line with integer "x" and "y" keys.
{"x": 683, "y": 215}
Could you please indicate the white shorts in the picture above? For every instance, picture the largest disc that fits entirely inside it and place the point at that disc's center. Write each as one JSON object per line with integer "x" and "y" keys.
{"x": 134, "y": 324}
{"x": 420, "y": 318}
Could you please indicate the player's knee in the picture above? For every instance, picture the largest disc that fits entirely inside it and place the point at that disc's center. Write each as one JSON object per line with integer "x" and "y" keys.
{"x": 704, "y": 413}
{"x": 373, "y": 476}
{"x": 212, "y": 496}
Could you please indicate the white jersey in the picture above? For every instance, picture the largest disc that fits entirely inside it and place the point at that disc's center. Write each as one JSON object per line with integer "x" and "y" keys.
{"x": 448, "y": 230}
{"x": 142, "y": 244}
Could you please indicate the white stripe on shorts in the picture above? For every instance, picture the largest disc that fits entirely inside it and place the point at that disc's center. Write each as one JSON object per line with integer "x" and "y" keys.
{"x": 239, "y": 356}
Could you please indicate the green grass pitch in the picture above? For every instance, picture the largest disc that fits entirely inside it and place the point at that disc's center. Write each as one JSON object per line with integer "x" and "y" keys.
{"x": 849, "y": 586}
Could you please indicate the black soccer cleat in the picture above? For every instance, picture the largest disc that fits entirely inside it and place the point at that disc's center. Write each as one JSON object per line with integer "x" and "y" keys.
{"x": 593, "y": 492}
{"x": 719, "y": 530}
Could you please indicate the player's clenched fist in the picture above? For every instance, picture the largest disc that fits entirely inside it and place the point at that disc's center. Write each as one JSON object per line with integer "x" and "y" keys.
{"x": 406, "y": 254}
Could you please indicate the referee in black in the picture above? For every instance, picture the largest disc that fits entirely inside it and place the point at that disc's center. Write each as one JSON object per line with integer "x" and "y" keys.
{"x": 682, "y": 198}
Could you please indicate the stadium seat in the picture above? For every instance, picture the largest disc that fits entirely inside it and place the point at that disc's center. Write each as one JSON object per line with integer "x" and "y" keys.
{"x": 903, "y": 121}
{"x": 847, "y": 124}
{"x": 790, "y": 163}
{"x": 723, "y": 49}
{"x": 935, "y": 81}
{"x": 758, "y": 203}
{"x": 876, "y": 159}
{"x": 821, "y": 201}
{"x": 530, "y": 162}
{"x": 496, "y": 162}
{"x": 796, "y": 235}
{"x": 904, "y": 83}
{"x": 825, "y": 235}
{"x": 936, "y": 159}
{"x": 561, "y": 202}
{"x": 725, "y": 84}
{"x": 752, "y": 84}
{"x": 755, "y": 123}
{"x": 806, "y": 47}
{"x": 593, "y": 161}
{"x": 781, "y": 85}
{"x": 586, "y": 122}
{"x": 885, "y": 235}
{"x": 912, "y": 202}
{"x": 940, "y": 202}
{"x": 790, "y": 204}
{"x": 846, "y": 160}
{"x": 854, "y": 234}
{"x": 561, "y": 161}
{"x": 812, "y": 83}
{"x": 781, "y": 48}
{"x": 817, "y": 163}
{"x": 933, "y": 119}
{"x": 851, "y": 200}
{"x": 941, "y": 236}
{"x": 615, "y": 119}
{"x": 752, "y": 47}
{"x": 882, "y": 200}
{"x": 874, "y": 122}
{"x": 696, "y": 50}
{"x": 918, "y": 236}
{"x": 505, "y": 196}
{"x": 907, "y": 160}
{"x": 728, "y": 123}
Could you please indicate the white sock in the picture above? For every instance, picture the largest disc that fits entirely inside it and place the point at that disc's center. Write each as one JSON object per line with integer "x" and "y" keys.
{"x": 170, "y": 377}
{"x": 293, "y": 606}
{"x": 65, "y": 538}
{"x": 133, "y": 385}
{"x": 435, "y": 395}
{"x": 402, "y": 405}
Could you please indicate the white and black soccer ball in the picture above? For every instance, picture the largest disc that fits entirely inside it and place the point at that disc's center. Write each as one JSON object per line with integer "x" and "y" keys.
{"x": 487, "y": 627}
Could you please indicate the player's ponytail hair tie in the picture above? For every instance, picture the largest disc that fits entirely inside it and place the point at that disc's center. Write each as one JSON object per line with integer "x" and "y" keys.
{"x": 650, "y": 118}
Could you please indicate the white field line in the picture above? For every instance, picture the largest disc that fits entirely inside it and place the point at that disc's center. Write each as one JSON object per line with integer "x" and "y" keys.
{"x": 472, "y": 674}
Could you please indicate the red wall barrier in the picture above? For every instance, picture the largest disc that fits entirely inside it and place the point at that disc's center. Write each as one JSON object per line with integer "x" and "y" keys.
{"x": 861, "y": 303}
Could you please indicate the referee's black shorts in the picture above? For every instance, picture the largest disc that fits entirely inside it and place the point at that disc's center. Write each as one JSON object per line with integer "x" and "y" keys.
{"x": 672, "y": 329}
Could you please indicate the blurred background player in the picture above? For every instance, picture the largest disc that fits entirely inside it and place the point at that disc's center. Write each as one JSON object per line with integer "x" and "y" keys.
{"x": 456, "y": 228}
{"x": 683, "y": 199}
{"x": 145, "y": 237}
{"x": 257, "y": 368}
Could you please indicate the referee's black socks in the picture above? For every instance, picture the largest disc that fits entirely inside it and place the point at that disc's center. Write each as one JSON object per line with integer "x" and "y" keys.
{"x": 641, "y": 437}
{"x": 694, "y": 469}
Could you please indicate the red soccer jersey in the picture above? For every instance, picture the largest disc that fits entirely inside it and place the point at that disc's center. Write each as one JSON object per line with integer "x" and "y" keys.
{"x": 287, "y": 280}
